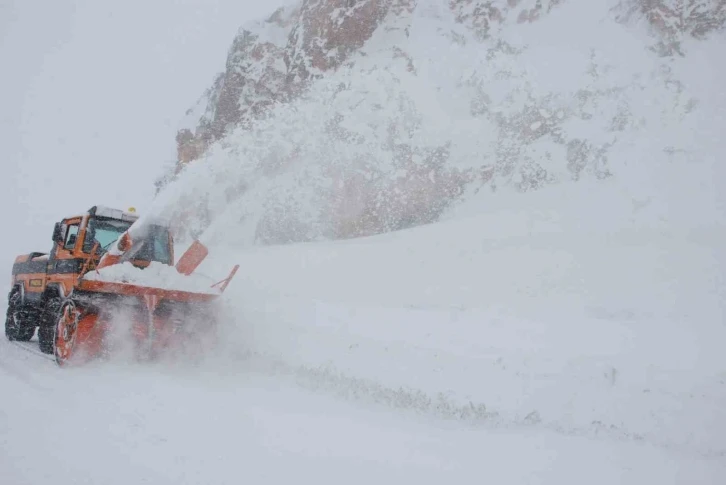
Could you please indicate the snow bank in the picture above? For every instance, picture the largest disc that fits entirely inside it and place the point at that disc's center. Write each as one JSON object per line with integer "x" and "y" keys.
{"x": 553, "y": 311}
{"x": 156, "y": 275}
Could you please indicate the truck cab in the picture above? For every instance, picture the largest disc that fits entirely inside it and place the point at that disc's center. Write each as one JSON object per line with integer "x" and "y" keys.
{"x": 40, "y": 280}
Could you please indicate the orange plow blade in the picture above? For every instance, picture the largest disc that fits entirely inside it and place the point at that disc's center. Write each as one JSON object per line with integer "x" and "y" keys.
{"x": 149, "y": 322}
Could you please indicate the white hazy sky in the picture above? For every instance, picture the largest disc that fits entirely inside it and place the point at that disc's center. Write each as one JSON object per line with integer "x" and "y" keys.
{"x": 91, "y": 92}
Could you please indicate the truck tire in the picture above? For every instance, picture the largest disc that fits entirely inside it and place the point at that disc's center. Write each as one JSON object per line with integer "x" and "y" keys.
{"x": 17, "y": 326}
{"x": 46, "y": 331}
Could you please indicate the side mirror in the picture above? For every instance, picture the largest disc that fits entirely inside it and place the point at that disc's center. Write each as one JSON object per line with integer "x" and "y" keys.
{"x": 58, "y": 233}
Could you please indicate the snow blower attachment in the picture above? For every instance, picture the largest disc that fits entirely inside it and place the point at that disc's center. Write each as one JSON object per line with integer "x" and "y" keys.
{"x": 107, "y": 285}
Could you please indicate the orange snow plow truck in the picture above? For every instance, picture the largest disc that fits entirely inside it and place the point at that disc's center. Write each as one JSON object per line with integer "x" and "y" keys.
{"x": 102, "y": 276}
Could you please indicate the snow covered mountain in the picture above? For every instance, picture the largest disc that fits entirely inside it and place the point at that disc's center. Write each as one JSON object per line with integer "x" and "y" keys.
{"x": 338, "y": 119}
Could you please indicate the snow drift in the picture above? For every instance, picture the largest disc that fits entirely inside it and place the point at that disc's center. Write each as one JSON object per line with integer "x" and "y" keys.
{"x": 513, "y": 317}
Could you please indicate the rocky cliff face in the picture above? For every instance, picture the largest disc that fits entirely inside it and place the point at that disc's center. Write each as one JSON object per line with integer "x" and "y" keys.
{"x": 271, "y": 61}
{"x": 342, "y": 118}
{"x": 254, "y": 79}
{"x": 673, "y": 21}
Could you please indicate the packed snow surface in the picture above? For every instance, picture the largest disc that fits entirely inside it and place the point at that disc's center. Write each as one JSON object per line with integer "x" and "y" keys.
{"x": 156, "y": 275}
{"x": 227, "y": 425}
{"x": 551, "y": 317}
{"x": 523, "y": 346}
{"x": 526, "y": 338}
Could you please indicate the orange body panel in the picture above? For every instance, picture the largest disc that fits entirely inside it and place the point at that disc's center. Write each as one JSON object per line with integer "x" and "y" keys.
{"x": 29, "y": 272}
{"x": 140, "y": 291}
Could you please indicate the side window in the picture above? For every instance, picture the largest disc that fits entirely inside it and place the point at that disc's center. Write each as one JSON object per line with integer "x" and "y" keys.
{"x": 161, "y": 249}
{"x": 71, "y": 237}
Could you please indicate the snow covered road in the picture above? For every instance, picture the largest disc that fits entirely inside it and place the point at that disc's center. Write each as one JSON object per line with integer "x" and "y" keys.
{"x": 504, "y": 348}
{"x": 197, "y": 425}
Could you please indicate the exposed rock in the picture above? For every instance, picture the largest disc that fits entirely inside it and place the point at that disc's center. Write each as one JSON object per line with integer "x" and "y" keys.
{"x": 328, "y": 31}
{"x": 273, "y": 60}
{"x": 485, "y": 16}
{"x": 674, "y": 20}
{"x": 253, "y": 80}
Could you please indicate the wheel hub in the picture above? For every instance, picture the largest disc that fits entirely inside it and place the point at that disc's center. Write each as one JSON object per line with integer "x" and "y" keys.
{"x": 66, "y": 328}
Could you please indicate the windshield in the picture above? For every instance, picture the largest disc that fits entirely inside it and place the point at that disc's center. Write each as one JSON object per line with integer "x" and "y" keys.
{"x": 153, "y": 246}
{"x": 103, "y": 231}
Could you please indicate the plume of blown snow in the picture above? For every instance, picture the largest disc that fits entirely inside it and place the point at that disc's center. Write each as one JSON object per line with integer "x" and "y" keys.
{"x": 430, "y": 117}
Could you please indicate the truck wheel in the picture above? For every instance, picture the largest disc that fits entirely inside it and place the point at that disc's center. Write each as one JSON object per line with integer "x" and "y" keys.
{"x": 16, "y": 328}
{"x": 65, "y": 333}
{"x": 46, "y": 331}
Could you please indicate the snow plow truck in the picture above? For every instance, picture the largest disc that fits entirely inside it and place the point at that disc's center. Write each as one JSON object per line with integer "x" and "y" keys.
{"x": 104, "y": 269}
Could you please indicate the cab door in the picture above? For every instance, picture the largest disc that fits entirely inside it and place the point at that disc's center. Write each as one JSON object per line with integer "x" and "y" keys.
{"x": 65, "y": 262}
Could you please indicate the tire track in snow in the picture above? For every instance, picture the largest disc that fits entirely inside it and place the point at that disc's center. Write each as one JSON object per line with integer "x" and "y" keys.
{"x": 32, "y": 347}
{"x": 329, "y": 380}
{"x": 20, "y": 366}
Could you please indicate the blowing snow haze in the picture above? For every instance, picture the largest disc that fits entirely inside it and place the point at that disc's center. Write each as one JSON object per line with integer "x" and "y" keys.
{"x": 478, "y": 241}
